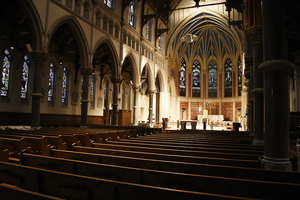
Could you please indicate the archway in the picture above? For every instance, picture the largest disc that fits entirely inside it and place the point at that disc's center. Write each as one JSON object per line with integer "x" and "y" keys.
{"x": 105, "y": 62}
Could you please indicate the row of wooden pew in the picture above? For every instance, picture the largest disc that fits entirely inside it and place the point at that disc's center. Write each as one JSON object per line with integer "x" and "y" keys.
{"x": 141, "y": 163}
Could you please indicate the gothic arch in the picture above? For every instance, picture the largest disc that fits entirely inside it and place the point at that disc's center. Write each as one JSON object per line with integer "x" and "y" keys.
{"x": 80, "y": 37}
{"x": 34, "y": 23}
{"x": 159, "y": 76}
{"x": 149, "y": 76}
{"x": 134, "y": 68}
{"x": 113, "y": 56}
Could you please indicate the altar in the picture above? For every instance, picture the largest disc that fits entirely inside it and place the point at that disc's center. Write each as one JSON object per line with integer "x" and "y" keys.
{"x": 216, "y": 119}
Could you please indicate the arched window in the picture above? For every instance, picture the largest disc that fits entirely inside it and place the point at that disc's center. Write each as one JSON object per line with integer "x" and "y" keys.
{"x": 64, "y": 86}
{"x": 92, "y": 97}
{"x": 86, "y": 11}
{"x": 111, "y": 27}
{"x": 212, "y": 79}
{"x": 108, "y": 3}
{"x": 98, "y": 17}
{"x": 5, "y": 73}
{"x": 240, "y": 76}
{"x": 148, "y": 30}
{"x": 25, "y": 73}
{"x": 131, "y": 13}
{"x": 160, "y": 42}
{"x": 228, "y": 78}
{"x": 105, "y": 23}
{"x": 77, "y": 6}
{"x": 117, "y": 30}
{"x": 196, "y": 84}
{"x": 51, "y": 82}
{"x": 182, "y": 77}
{"x": 69, "y": 3}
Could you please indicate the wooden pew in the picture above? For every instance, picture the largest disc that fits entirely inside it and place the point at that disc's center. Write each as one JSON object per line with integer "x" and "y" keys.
{"x": 70, "y": 186}
{"x": 187, "y": 147}
{"x": 151, "y": 149}
{"x": 190, "y": 142}
{"x": 198, "y": 183}
{"x": 12, "y": 192}
{"x": 178, "y": 158}
{"x": 175, "y": 152}
{"x": 182, "y": 167}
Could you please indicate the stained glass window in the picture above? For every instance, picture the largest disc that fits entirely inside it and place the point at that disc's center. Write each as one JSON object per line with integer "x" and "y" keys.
{"x": 160, "y": 42}
{"x": 92, "y": 97}
{"x": 131, "y": 14}
{"x": 5, "y": 73}
{"x": 212, "y": 79}
{"x": 240, "y": 76}
{"x": 228, "y": 78}
{"x": 25, "y": 73}
{"x": 148, "y": 30}
{"x": 182, "y": 77}
{"x": 196, "y": 78}
{"x": 108, "y": 3}
{"x": 51, "y": 83}
{"x": 64, "y": 86}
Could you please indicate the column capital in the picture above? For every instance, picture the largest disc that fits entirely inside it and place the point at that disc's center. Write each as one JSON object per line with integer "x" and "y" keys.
{"x": 254, "y": 34}
{"x": 151, "y": 92}
{"x": 39, "y": 56}
{"x": 136, "y": 87}
{"x": 87, "y": 71}
{"x": 276, "y": 65}
{"x": 116, "y": 80}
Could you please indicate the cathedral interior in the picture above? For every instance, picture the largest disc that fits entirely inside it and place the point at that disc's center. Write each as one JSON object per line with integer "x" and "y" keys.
{"x": 150, "y": 67}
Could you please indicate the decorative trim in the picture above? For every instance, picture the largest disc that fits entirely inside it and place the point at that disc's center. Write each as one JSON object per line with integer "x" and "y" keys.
{"x": 36, "y": 95}
{"x": 276, "y": 65}
{"x": 254, "y": 34}
{"x": 258, "y": 90}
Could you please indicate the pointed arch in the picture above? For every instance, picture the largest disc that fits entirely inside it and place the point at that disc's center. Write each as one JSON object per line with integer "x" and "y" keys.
{"x": 79, "y": 35}
{"x": 134, "y": 68}
{"x": 159, "y": 76}
{"x": 35, "y": 23}
{"x": 149, "y": 76}
{"x": 112, "y": 53}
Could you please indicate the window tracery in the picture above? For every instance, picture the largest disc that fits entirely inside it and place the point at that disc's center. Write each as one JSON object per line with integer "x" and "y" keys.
{"x": 240, "y": 76}
{"x": 51, "y": 82}
{"x": 212, "y": 79}
{"x": 183, "y": 78}
{"x": 228, "y": 78}
{"x": 25, "y": 73}
{"x": 196, "y": 79}
{"x": 64, "y": 85}
{"x": 5, "y": 73}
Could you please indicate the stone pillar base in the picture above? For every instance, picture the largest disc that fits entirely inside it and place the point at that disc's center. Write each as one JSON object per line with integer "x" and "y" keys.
{"x": 83, "y": 126}
{"x": 260, "y": 142}
{"x": 276, "y": 164}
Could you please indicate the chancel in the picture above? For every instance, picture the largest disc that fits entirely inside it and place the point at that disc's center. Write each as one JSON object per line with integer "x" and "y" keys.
{"x": 147, "y": 99}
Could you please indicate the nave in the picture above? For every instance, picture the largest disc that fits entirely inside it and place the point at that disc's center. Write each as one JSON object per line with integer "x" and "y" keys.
{"x": 104, "y": 162}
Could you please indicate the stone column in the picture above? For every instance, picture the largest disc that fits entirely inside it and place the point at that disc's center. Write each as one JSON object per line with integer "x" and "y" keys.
{"x": 38, "y": 58}
{"x": 115, "y": 104}
{"x": 86, "y": 72}
{"x": 251, "y": 110}
{"x": 276, "y": 75}
{"x": 151, "y": 93}
{"x": 248, "y": 64}
{"x": 135, "y": 104}
{"x": 254, "y": 34}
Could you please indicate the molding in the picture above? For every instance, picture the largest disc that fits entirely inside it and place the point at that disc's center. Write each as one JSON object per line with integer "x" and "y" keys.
{"x": 276, "y": 65}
